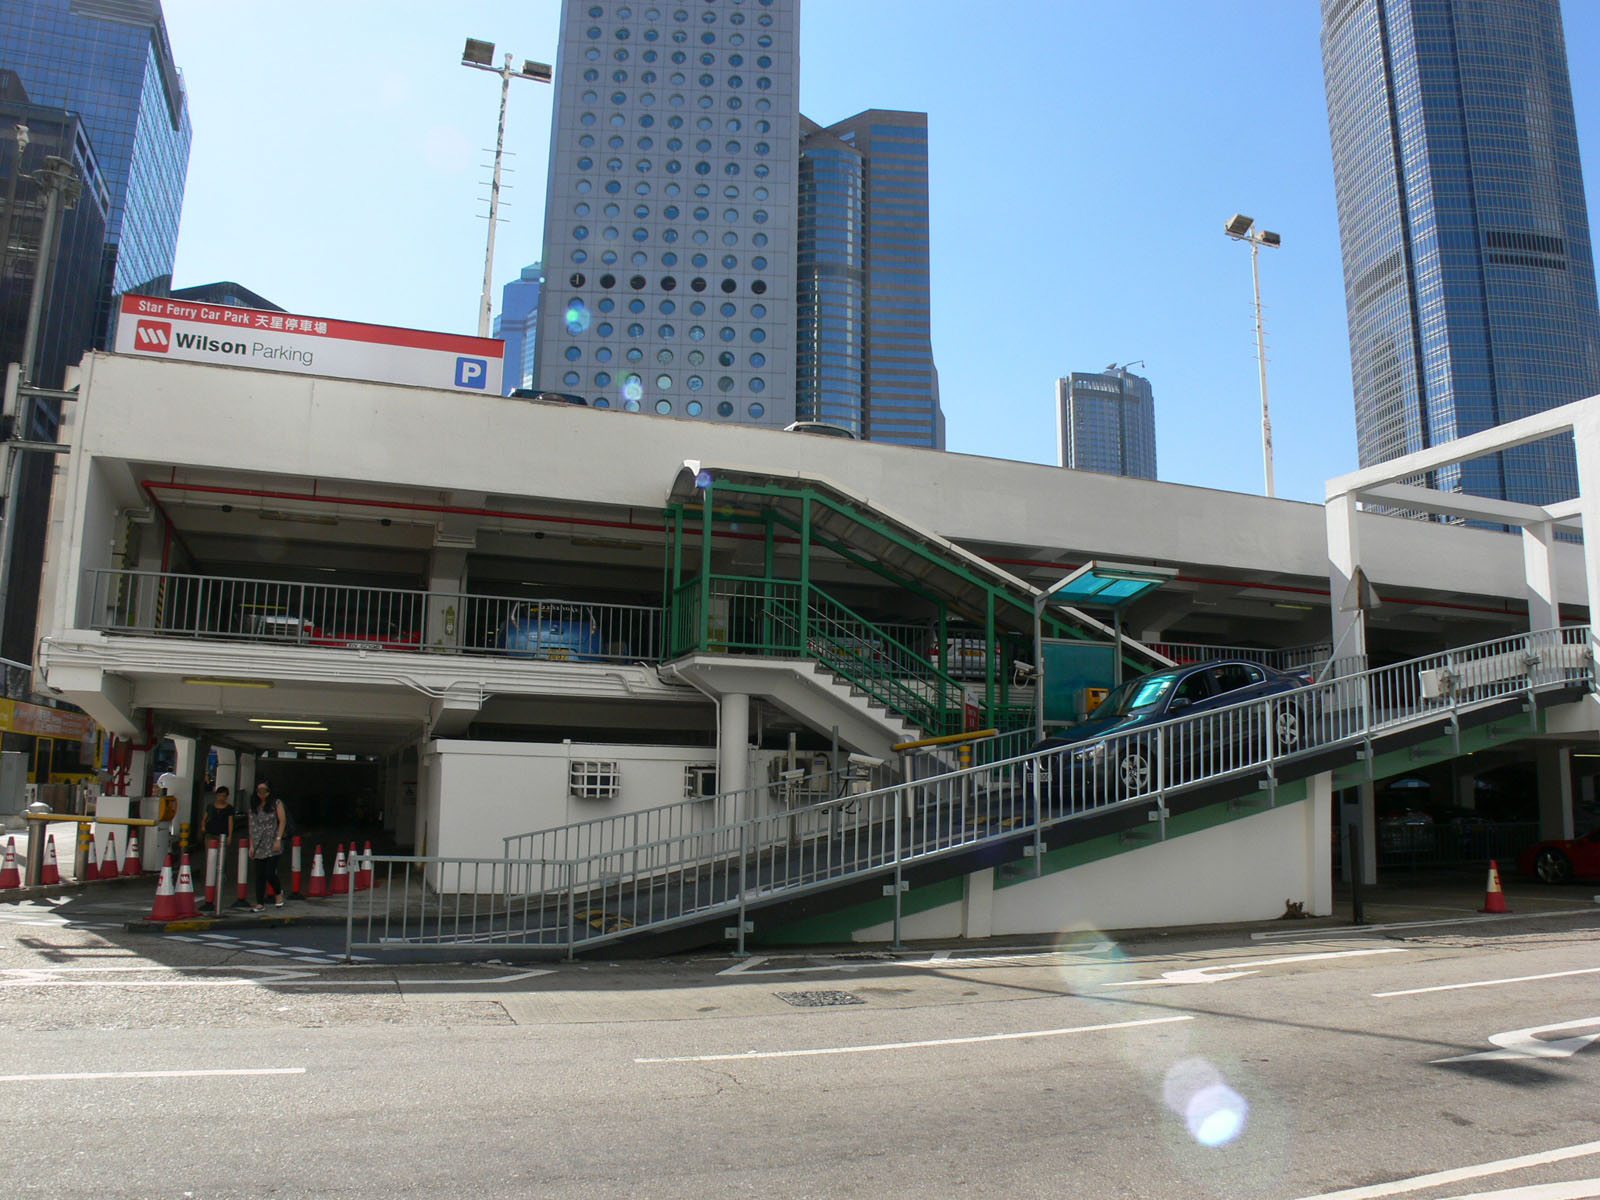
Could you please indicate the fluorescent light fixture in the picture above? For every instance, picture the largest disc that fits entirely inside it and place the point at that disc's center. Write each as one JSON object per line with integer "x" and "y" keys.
{"x": 293, "y": 728}
{"x": 1295, "y": 607}
{"x": 282, "y": 721}
{"x": 311, "y": 745}
{"x": 205, "y": 681}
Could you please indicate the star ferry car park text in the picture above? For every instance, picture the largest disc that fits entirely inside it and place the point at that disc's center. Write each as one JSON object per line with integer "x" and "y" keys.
{"x": 228, "y": 316}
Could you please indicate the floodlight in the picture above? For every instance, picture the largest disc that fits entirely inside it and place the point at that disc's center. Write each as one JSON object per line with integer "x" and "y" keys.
{"x": 1238, "y": 225}
{"x": 537, "y": 70}
{"x": 1268, "y": 238}
{"x": 478, "y": 53}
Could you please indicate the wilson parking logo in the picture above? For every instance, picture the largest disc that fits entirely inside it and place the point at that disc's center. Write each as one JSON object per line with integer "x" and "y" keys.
{"x": 153, "y": 336}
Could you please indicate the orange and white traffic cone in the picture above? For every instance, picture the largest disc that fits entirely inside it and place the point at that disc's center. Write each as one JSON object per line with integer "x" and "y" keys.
{"x": 166, "y": 905}
{"x": 50, "y": 869}
{"x": 10, "y": 877}
{"x": 319, "y": 882}
{"x": 131, "y": 865}
{"x": 91, "y": 866}
{"x": 339, "y": 885}
{"x": 363, "y": 874}
{"x": 184, "y": 893}
{"x": 108, "y": 869}
{"x": 1495, "y": 900}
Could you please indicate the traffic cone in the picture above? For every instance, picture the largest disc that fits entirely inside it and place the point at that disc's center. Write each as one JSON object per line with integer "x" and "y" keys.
{"x": 340, "y": 883}
{"x": 50, "y": 869}
{"x": 1495, "y": 900}
{"x": 166, "y": 905}
{"x": 184, "y": 894}
{"x": 363, "y": 879}
{"x": 10, "y": 877}
{"x": 108, "y": 869}
{"x": 294, "y": 867}
{"x": 91, "y": 867}
{"x": 319, "y": 881}
{"x": 131, "y": 865}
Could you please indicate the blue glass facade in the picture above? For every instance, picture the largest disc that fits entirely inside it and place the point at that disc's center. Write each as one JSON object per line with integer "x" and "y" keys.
{"x": 1106, "y": 421}
{"x": 110, "y": 62}
{"x": 870, "y": 298}
{"x": 1469, "y": 278}
{"x": 515, "y": 324}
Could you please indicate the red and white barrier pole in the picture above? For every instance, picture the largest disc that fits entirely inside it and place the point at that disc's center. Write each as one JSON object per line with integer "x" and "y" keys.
{"x": 213, "y": 859}
{"x": 294, "y": 867}
{"x": 244, "y": 868}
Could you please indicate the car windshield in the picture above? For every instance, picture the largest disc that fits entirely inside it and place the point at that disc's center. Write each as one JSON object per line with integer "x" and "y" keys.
{"x": 1137, "y": 695}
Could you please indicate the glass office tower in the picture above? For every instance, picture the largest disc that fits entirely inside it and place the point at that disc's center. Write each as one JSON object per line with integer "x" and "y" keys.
{"x": 865, "y": 352}
{"x": 109, "y": 61}
{"x": 670, "y": 213}
{"x": 1469, "y": 278}
{"x": 515, "y": 324}
{"x": 1106, "y": 421}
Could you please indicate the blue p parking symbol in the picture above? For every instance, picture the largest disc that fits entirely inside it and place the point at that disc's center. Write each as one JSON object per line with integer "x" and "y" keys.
{"x": 472, "y": 372}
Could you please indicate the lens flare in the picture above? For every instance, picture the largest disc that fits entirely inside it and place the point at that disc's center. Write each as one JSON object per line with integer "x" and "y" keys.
{"x": 1213, "y": 1112}
{"x": 577, "y": 317}
{"x": 632, "y": 388}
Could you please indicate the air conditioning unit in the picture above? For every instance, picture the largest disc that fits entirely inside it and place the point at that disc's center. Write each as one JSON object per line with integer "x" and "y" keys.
{"x": 699, "y": 781}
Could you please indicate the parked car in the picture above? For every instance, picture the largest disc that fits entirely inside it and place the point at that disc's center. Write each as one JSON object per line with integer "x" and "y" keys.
{"x": 1562, "y": 860}
{"x": 1097, "y": 756}
{"x": 560, "y": 632}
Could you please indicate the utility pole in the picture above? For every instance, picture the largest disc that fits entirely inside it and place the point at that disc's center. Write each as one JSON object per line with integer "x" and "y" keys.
{"x": 1242, "y": 229}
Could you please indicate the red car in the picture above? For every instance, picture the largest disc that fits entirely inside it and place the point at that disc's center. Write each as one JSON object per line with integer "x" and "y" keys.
{"x": 1563, "y": 860}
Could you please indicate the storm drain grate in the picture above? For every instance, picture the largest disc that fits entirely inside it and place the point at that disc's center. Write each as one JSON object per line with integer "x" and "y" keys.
{"x": 818, "y": 999}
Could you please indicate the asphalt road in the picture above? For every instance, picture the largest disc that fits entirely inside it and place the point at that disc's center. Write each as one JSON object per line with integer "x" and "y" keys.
{"x": 1282, "y": 1064}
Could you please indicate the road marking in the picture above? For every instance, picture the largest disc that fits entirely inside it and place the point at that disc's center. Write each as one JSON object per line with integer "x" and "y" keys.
{"x": 1224, "y": 971}
{"x": 1317, "y": 935}
{"x": 1453, "y": 987}
{"x": 284, "y": 976}
{"x": 1525, "y": 1043}
{"x": 81, "y": 1075}
{"x": 960, "y": 1041}
{"x": 1577, "y": 1189}
{"x": 939, "y": 960}
{"x": 1439, "y": 1178}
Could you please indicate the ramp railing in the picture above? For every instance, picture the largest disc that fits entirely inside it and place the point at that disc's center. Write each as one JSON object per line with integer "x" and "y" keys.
{"x": 588, "y": 889}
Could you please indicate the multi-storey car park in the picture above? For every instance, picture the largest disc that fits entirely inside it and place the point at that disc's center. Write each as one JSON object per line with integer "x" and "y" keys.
{"x": 700, "y": 652}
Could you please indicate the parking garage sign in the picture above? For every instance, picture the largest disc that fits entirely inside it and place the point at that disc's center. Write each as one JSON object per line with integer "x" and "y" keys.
{"x": 278, "y": 341}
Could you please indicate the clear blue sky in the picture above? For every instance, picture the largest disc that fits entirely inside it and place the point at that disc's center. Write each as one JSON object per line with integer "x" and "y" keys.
{"x": 1083, "y": 159}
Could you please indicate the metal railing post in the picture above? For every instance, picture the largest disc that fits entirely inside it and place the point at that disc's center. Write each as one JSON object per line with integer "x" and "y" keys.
{"x": 899, "y": 877}
{"x": 744, "y": 837}
{"x": 572, "y": 911}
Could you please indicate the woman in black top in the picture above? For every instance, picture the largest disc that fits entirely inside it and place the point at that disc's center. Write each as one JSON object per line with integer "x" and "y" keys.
{"x": 219, "y": 816}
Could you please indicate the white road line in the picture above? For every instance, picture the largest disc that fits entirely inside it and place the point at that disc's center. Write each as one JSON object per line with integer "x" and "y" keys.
{"x": 1320, "y": 935}
{"x": 1219, "y": 972}
{"x": 1478, "y": 983}
{"x": 1577, "y": 1189}
{"x": 960, "y": 1041}
{"x": 1439, "y": 1178}
{"x": 70, "y": 1076}
{"x": 938, "y": 960}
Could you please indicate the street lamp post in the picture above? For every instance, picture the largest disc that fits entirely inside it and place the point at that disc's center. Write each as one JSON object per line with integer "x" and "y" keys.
{"x": 1242, "y": 229}
{"x": 480, "y": 55}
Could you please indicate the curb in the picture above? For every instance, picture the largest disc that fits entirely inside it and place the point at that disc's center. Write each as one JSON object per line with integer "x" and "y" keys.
{"x": 47, "y": 890}
{"x": 252, "y": 921}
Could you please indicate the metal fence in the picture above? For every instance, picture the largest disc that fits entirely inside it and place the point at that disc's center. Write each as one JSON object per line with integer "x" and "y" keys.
{"x": 167, "y": 604}
{"x": 1287, "y": 658}
{"x": 592, "y": 882}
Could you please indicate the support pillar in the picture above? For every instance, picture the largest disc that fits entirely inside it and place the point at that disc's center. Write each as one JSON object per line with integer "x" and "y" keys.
{"x": 1554, "y": 763}
{"x": 733, "y": 747}
{"x": 1319, "y": 845}
{"x": 447, "y": 575}
{"x": 1586, "y": 442}
{"x": 1346, "y": 581}
{"x": 1359, "y": 809}
{"x": 1538, "y": 562}
{"x": 1463, "y": 784}
{"x": 977, "y": 904}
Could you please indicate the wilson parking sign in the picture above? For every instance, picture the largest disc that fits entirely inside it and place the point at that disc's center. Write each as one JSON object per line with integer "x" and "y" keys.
{"x": 276, "y": 341}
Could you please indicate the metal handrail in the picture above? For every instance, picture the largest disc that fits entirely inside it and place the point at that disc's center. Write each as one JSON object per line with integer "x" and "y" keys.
{"x": 171, "y": 604}
{"x": 676, "y": 878}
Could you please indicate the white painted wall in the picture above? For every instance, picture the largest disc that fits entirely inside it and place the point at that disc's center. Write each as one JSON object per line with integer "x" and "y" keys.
{"x": 1243, "y": 870}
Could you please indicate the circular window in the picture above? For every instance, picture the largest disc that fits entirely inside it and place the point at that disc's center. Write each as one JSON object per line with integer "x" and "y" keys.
{"x": 606, "y": 304}
{"x": 663, "y": 356}
{"x": 724, "y": 409}
{"x": 697, "y": 284}
{"x": 610, "y": 233}
{"x": 729, "y": 308}
{"x": 663, "y": 383}
{"x": 604, "y": 329}
{"x": 636, "y": 282}
{"x": 696, "y": 357}
{"x": 725, "y": 359}
{"x": 729, "y": 262}
{"x": 602, "y": 379}
{"x": 632, "y": 387}
{"x": 729, "y": 286}
{"x": 602, "y": 402}
{"x": 696, "y": 383}
{"x": 608, "y": 281}
{"x": 603, "y": 354}
{"x": 635, "y": 354}
{"x": 576, "y": 316}
{"x": 636, "y": 306}
{"x": 758, "y": 359}
{"x": 758, "y": 310}
{"x": 663, "y": 407}
{"x": 758, "y": 410}
{"x": 725, "y": 383}
{"x": 668, "y": 283}
{"x": 570, "y": 379}
{"x": 726, "y": 333}
{"x": 631, "y": 406}
{"x": 759, "y": 288}
{"x": 694, "y": 408}
{"x": 577, "y": 279}
{"x": 758, "y": 335}
{"x": 580, "y": 232}
{"x": 758, "y": 385}
{"x": 669, "y": 307}
{"x": 665, "y": 332}
{"x": 697, "y": 333}
{"x": 579, "y": 256}
{"x": 636, "y": 330}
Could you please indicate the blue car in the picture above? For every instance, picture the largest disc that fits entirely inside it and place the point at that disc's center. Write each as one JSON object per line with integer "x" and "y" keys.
{"x": 558, "y": 632}
{"x": 1108, "y": 757}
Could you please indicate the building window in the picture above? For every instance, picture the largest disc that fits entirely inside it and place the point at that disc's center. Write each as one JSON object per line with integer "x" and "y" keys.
{"x": 589, "y": 779}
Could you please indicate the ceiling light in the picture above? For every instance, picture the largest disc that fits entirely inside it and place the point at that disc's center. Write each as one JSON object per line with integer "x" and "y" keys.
{"x": 282, "y": 721}
{"x": 200, "y": 681}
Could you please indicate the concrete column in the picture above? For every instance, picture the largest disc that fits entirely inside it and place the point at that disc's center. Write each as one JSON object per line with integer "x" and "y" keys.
{"x": 733, "y": 747}
{"x": 1539, "y": 565}
{"x": 447, "y": 578}
{"x": 1359, "y": 810}
{"x": 1586, "y": 440}
{"x": 977, "y": 905}
{"x": 227, "y": 772}
{"x": 407, "y": 809}
{"x": 1319, "y": 844}
{"x": 1554, "y": 764}
{"x": 1464, "y": 784}
{"x": 1344, "y": 569}
{"x": 246, "y": 775}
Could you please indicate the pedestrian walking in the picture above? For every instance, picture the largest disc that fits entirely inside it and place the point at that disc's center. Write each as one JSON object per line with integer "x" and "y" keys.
{"x": 267, "y": 822}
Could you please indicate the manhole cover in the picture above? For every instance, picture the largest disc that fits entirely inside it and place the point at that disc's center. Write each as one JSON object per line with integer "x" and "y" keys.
{"x": 818, "y": 999}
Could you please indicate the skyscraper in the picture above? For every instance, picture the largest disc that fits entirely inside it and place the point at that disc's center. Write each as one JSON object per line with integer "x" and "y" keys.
{"x": 1469, "y": 278}
{"x": 1106, "y": 421}
{"x": 864, "y": 349}
{"x": 669, "y": 215}
{"x": 109, "y": 61}
{"x": 515, "y": 324}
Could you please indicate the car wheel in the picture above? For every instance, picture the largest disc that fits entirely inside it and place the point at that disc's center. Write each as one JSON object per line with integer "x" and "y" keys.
{"x": 1289, "y": 728}
{"x": 1133, "y": 773}
{"x": 1552, "y": 866}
